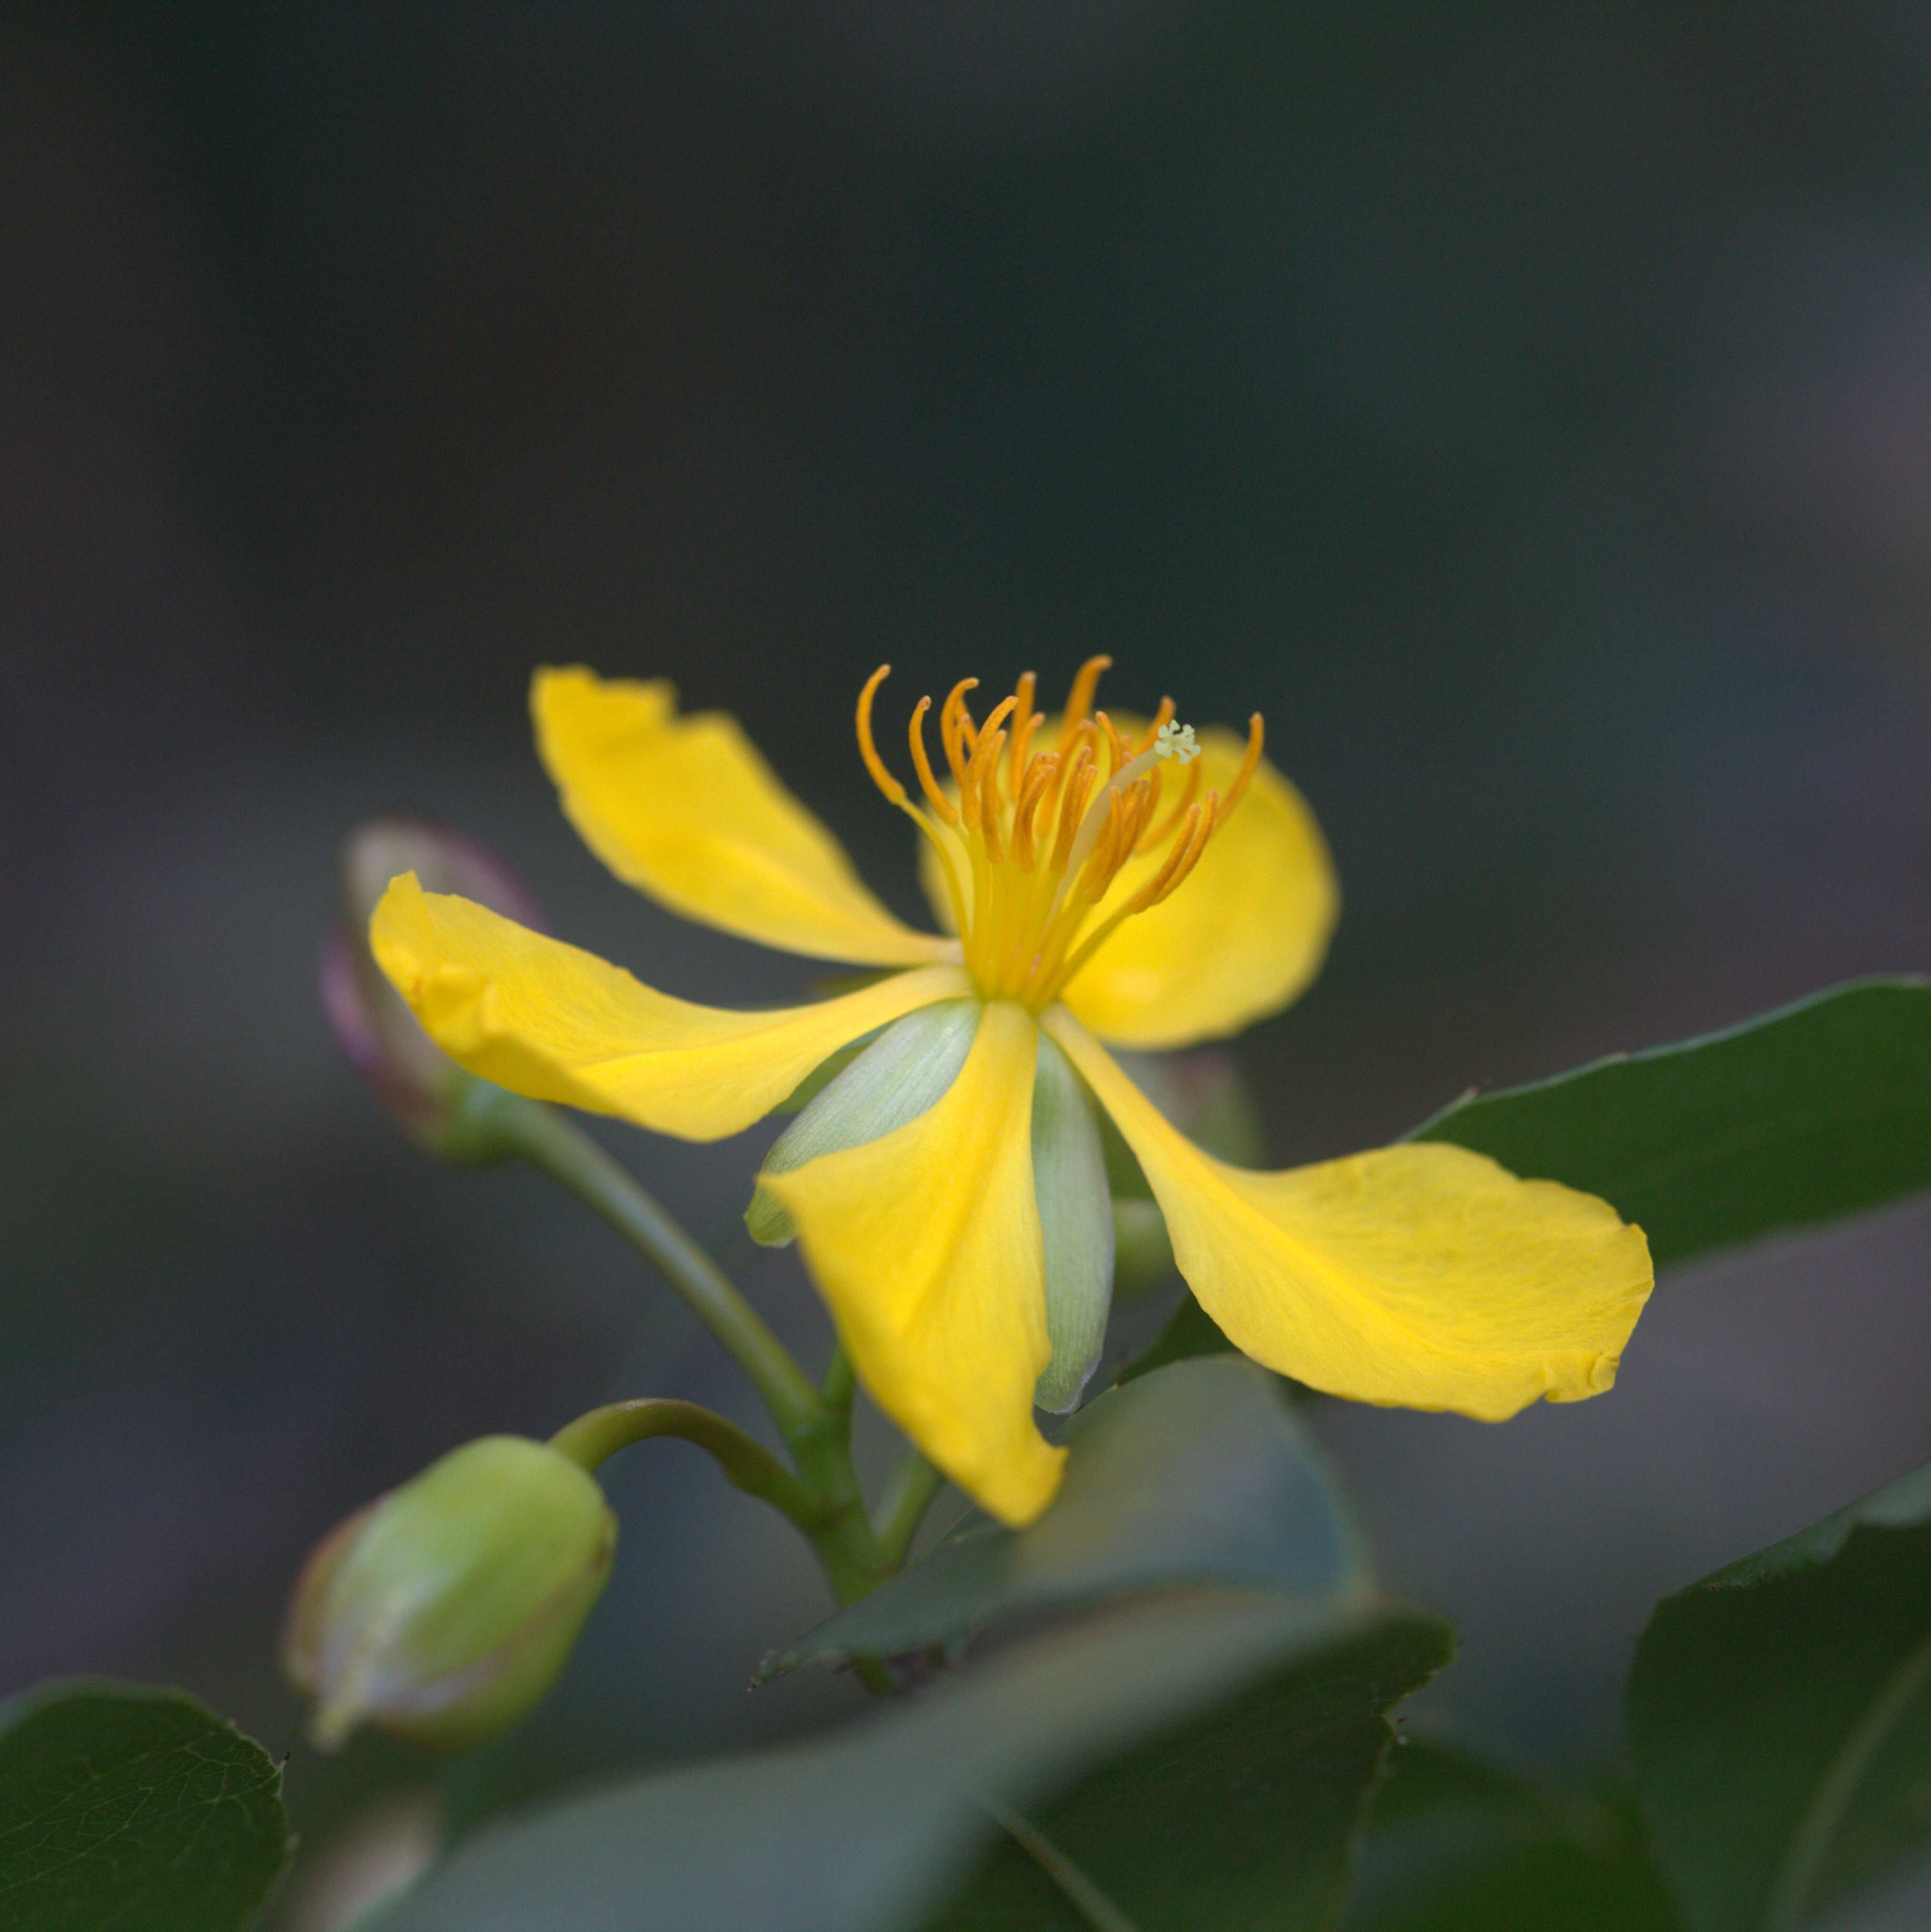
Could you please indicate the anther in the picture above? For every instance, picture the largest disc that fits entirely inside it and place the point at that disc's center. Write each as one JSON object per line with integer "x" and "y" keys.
{"x": 1195, "y": 832}
{"x": 1024, "y": 721}
{"x": 1040, "y": 775}
{"x": 985, "y": 762}
{"x": 915, "y": 732}
{"x": 1117, "y": 752}
{"x": 1108, "y": 851}
{"x": 1210, "y": 818}
{"x": 874, "y": 764}
{"x": 1158, "y": 836}
{"x": 951, "y": 731}
{"x": 985, "y": 753}
{"x": 1080, "y": 782}
{"x": 1079, "y": 700}
{"x": 1256, "y": 733}
{"x": 1089, "y": 827}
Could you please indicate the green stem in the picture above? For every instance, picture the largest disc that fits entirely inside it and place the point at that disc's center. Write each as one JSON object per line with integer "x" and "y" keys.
{"x": 594, "y": 1438}
{"x": 840, "y": 1380}
{"x": 854, "y": 1563}
{"x": 914, "y": 1483}
{"x": 816, "y": 1428}
{"x": 543, "y": 1137}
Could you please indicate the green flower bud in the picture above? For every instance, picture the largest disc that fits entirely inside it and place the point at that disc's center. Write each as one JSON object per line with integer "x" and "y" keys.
{"x": 444, "y": 1610}
{"x": 426, "y": 1091}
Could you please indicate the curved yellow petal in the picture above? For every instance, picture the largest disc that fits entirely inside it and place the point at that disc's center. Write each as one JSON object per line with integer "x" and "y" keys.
{"x": 555, "y": 1023}
{"x": 1425, "y": 1276}
{"x": 1240, "y": 939}
{"x": 685, "y": 809}
{"x": 927, "y": 1247}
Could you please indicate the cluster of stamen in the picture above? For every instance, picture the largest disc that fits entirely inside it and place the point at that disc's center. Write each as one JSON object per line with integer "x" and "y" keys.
{"x": 1029, "y": 841}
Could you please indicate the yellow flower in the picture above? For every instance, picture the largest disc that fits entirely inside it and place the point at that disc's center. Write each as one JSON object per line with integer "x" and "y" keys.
{"x": 1133, "y": 882}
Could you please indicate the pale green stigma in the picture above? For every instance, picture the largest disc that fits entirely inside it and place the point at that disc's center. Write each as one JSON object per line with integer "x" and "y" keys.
{"x": 1177, "y": 741}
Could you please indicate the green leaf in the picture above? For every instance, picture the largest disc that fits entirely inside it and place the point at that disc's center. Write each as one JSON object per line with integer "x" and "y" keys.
{"x": 1820, "y": 1110}
{"x": 1241, "y": 1818}
{"x": 1779, "y": 1715}
{"x": 868, "y": 1828}
{"x": 128, "y": 1809}
{"x": 1452, "y": 1843}
{"x": 1199, "y": 1475}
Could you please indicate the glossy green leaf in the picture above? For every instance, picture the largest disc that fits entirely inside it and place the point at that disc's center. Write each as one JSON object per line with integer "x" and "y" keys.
{"x": 1453, "y": 1844}
{"x": 868, "y": 1829}
{"x": 1779, "y": 1716}
{"x": 1820, "y": 1110}
{"x": 1199, "y": 1474}
{"x": 1241, "y": 1818}
{"x": 127, "y": 1809}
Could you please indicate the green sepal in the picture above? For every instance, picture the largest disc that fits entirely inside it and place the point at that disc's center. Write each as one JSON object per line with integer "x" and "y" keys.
{"x": 904, "y": 1071}
{"x": 1076, "y": 1220}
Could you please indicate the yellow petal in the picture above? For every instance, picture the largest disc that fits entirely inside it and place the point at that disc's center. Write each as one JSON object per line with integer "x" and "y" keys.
{"x": 927, "y": 1246}
{"x": 1425, "y": 1276}
{"x": 1241, "y": 938}
{"x": 556, "y": 1023}
{"x": 684, "y": 808}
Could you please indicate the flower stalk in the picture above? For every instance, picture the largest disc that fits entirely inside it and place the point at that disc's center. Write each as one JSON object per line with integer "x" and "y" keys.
{"x": 593, "y": 1438}
{"x": 914, "y": 1483}
{"x": 822, "y": 1497}
{"x": 539, "y": 1134}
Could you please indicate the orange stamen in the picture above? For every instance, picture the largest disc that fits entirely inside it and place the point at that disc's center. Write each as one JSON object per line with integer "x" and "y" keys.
{"x": 1103, "y": 861}
{"x": 1115, "y": 749}
{"x": 1079, "y": 700}
{"x": 1080, "y": 782}
{"x": 1201, "y": 820}
{"x": 972, "y": 779}
{"x": 1040, "y": 775}
{"x": 951, "y": 733}
{"x": 1091, "y": 805}
{"x": 1235, "y": 792}
{"x": 985, "y": 763}
{"x": 868, "y": 751}
{"x": 947, "y": 812}
{"x": 1023, "y": 722}
{"x": 1158, "y": 836}
{"x": 1155, "y": 888}
{"x": 1142, "y": 799}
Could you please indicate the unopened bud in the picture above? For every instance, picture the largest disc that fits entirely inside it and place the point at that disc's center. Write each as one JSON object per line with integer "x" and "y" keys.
{"x": 443, "y": 1611}
{"x": 422, "y": 1086}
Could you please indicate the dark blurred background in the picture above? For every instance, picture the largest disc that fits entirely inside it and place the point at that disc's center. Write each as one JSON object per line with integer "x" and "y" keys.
{"x": 1529, "y": 409}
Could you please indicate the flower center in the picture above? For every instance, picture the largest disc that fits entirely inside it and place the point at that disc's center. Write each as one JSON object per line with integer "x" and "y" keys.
{"x": 1031, "y": 841}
